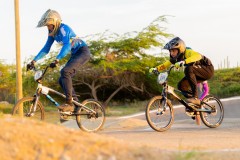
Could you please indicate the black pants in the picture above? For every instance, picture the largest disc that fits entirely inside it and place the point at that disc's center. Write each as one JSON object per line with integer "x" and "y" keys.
{"x": 194, "y": 74}
{"x": 70, "y": 69}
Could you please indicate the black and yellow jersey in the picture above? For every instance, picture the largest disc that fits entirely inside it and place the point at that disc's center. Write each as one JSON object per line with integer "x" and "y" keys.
{"x": 190, "y": 57}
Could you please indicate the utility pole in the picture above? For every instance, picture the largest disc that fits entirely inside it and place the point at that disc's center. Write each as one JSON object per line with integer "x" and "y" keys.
{"x": 18, "y": 56}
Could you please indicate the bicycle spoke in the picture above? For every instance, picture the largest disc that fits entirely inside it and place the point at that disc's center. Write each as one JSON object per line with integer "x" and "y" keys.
{"x": 159, "y": 117}
{"x": 212, "y": 118}
{"x": 88, "y": 120}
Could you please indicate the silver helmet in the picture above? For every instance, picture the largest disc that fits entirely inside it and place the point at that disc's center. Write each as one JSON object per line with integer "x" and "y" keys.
{"x": 50, "y": 17}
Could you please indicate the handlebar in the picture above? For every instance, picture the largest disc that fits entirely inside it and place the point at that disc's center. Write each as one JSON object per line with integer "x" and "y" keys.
{"x": 168, "y": 71}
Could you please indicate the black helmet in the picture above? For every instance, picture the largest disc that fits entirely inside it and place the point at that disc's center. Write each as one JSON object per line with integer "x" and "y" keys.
{"x": 176, "y": 43}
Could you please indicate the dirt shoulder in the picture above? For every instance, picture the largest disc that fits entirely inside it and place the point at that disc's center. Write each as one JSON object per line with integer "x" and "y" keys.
{"x": 28, "y": 139}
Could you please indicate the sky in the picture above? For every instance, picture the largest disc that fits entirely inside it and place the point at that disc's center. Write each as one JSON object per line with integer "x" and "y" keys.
{"x": 210, "y": 27}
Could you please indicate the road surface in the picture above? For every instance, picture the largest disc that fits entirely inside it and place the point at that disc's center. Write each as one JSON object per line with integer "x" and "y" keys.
{"x": 184, "y": 135}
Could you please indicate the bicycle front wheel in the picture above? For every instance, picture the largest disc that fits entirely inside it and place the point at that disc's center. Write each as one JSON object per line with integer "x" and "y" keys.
{"x": 24, "y": 108}
{"x": 214, "y": 116}
{"x": 91, "y": 121}
{"x": 159, "y": 116}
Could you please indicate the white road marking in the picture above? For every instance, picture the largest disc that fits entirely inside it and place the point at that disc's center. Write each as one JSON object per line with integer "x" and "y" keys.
{"x": 176, "y": 106}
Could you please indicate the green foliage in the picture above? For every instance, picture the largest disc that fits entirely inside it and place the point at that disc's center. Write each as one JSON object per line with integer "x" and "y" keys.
{"x": 129, "y": 64}
{"x": 5, "y": 108}
{"x": 120, "y": 64}
{"x": 129, "y": 45}
{"x": 188, "y": 155}
{"x": 127, "y": 108}
{"x": 225, "y": 82}
{"x": 7, "y": 78}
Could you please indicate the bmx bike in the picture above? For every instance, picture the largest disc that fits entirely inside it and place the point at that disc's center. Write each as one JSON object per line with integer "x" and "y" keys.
{"x": 159, "y": 111}
{"x": 90, "y": 114}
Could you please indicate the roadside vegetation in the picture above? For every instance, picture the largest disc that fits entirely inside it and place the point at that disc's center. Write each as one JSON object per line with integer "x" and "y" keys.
{"x": 117, "y": 74}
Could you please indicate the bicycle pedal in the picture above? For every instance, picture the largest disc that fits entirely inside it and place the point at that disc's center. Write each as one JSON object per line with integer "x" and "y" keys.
{"x": 64, "y": 118}
{"x": 190, "y": 113}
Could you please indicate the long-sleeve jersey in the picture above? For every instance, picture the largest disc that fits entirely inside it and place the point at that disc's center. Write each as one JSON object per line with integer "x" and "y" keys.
{"x": 189, "y": 56}
{"x": 67, "y": 38}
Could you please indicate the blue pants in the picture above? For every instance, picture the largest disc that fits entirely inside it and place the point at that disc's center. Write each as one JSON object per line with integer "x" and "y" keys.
{"x": 76, "y": 60}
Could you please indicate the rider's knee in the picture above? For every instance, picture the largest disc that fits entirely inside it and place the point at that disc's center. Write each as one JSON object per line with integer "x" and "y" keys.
{"x": 65, "y": 72}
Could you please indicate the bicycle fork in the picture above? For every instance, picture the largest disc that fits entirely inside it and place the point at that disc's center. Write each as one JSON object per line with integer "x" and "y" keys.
{"x": 33, "y": 108}
{"x": 162, "y": 106}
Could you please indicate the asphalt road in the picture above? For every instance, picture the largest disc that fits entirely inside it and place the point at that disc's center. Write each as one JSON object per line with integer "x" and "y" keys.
{"x": 184, "y": 135}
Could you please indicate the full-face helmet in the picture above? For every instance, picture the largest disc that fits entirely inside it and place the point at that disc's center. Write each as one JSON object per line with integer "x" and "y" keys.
{"x": 176, "y": 43}
{"x": 50, "y": 17}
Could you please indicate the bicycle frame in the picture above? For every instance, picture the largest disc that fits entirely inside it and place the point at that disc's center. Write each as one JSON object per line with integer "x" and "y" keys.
{"x": 171, "y": 90}
{"x": 89, "y": 113}
{"x": 160, "y": 110}
{"x": 46, "y": 90}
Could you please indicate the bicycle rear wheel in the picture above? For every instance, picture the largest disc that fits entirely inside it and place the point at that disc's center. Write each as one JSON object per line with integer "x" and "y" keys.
{"x": 214, "y": 117}
{"x": 159, "y": 117}
{"x": 26, "y": 105}
{"x": 89, "y": 121}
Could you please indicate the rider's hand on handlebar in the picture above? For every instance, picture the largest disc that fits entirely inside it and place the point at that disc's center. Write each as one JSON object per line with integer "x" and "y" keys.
{"x": 30, "y": 66}
{"x": 54, "y": 64}
{"x": 153, "y": 70}
{"x": 179, "y": 64}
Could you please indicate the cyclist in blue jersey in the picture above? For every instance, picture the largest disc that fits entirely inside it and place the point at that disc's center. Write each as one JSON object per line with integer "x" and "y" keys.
{"x": 80, "y": 53}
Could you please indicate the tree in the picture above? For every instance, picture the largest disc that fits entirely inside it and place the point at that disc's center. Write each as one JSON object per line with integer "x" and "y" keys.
{"x": 119, "y": 61}
{"x": 129, "y": 45}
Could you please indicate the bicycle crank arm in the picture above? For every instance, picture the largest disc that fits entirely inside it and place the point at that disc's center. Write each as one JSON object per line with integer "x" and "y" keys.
{"x": 204, "y": 110}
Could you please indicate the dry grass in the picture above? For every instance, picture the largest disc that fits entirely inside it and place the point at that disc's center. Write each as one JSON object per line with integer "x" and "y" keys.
{"x": 28, "y": 139}
{"x": 24, "y": 139}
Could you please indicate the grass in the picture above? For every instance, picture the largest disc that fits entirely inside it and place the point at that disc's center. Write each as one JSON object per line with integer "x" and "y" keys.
{"x": 6, "y": 108}
{"x": 126, "y": 109}
{"x": 187, "y": 156}
{"x": 112, "y": 110}
{"x": 52, "y": 115}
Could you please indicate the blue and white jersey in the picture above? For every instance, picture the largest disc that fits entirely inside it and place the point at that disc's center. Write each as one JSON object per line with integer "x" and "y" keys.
{"x": 67, "y": 38}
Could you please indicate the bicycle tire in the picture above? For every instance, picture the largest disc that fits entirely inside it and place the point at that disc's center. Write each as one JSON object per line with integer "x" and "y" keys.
{"x": 26, "y": 104}
{"x": 213, "y": 119}
{"x": 159, "y": 120}
{"x": 91, "y": 122}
